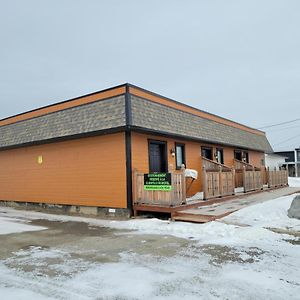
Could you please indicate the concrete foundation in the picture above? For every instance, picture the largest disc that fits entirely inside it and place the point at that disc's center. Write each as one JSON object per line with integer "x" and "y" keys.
{"x": 102, "y": 212}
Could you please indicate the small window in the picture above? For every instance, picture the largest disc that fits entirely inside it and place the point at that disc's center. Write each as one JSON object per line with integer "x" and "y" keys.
{"x": 241, "y": 155}
{"x": 245, "y": 155}
{"x": 298, "y": 155}
{"x": 238, "y": 154}
{"x": 207, "y": 152}
{"x": 180, "y": 155}
{"x": 220, "y": 156}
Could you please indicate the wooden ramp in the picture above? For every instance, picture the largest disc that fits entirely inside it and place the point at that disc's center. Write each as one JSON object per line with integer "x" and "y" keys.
{"x": 213, "y": 210}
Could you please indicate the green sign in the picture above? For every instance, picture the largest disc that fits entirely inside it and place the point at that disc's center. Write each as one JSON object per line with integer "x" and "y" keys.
{"x": 157, "y": 182}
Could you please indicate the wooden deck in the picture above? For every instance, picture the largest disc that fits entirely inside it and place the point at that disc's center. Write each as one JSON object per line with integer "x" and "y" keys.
{"x": 204, "y": 211}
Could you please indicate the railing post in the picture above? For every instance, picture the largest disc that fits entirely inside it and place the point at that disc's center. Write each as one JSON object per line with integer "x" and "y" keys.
{"x": 233, "y": 180}
{"x": 173, "y": 190}
{"x": 204, "y": 182}
{"x": 220, "y": 181}
{"x": 183, "y": 186}
{"x": 244, "y": 178}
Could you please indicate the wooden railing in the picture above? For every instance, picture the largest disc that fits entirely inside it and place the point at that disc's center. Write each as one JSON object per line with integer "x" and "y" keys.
{"x": 211, "y": 165}
{"x": 239, "y": 167}
{"x": 252, "y": 180}
{"x": 277, "y": 178}
{"x": 175, "y": 197}
{"x": 218, "y": 179}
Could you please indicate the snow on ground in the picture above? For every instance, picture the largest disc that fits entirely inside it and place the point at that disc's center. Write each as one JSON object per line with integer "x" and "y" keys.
{"x": 13, "y": 225}
{"x": 235, "y": 258}
{"x": 294, "y": 181}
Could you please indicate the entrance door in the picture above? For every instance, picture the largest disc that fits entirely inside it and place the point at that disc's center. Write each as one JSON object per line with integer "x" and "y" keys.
{"x": 157, "y": 156}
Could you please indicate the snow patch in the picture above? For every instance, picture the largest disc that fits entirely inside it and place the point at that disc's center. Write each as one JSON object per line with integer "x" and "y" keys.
{"x": 294, "y": 181}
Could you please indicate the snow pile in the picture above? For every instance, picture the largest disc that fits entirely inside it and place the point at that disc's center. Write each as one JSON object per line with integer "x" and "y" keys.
{"x": 294, "y": 181}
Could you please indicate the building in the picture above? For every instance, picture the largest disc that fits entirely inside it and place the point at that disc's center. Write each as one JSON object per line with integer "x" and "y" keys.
{"x": 82, "y": 152}
{"x": 274, "y": 161}
{"x": 292, "y": 161}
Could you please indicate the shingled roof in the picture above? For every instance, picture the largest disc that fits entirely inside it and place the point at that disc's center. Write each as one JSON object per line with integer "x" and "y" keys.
{"x": 157, "y": 117}
{"x": 108, "y": 114}
{"x": 85, "y": 119}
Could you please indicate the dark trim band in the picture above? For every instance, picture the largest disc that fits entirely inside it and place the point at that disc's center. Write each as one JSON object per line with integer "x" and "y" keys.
{"x": 128, "y": 149}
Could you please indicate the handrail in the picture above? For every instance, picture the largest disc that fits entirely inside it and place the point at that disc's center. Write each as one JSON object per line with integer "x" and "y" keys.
{"x": 239, "y": 163}
{"x": 209, "y": 162}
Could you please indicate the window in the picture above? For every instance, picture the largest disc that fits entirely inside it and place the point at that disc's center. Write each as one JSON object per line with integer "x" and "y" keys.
{"x": 238, "y": 154}
{"x": 241, "y": 155}
{"x": 207, "y": 152}
{"x": 180, "y": 155}
{"x": 245, "y": 156}
{"x": 220, "y": 156}
{"x": 298, "y": 155}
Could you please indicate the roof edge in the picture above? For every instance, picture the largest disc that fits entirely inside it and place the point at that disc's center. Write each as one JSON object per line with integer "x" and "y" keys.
{"x": 63, "y": 102}
{"x": 194, "y": 108}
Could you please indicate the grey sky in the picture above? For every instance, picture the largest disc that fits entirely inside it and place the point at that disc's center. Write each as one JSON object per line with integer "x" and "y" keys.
{"x": 238, "y": 59}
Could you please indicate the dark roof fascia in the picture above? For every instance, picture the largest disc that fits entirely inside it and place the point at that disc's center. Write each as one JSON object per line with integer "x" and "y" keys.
{"x": 189, "y": 106}
{"x": 67, "y": 138}
{"x": 288, "y": 151}
{"x": 66, "y": 101}
{"x": 186, "y": 138}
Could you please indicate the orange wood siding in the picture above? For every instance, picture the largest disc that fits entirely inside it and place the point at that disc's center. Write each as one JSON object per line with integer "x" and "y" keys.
{"x": 182, "y": 107}
{"x": 88, "y": 171}
{"x": 255, "y": 158}
{"x": 140, "y": 159}
{"x": 64, "y": 105}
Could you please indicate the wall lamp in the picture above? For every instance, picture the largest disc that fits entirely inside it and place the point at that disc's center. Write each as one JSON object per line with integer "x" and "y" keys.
{"x": 172, "y": 151}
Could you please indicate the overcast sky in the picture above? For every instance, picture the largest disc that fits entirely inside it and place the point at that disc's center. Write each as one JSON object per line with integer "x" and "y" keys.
{"x": 238, "y": 59}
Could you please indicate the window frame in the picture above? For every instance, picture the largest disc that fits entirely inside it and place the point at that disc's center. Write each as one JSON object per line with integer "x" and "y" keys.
{"x": 183, "y": 155}
{"x": 222, "y": 155}
{"x": 207, "y": 148}
{"x": 244, "y": 154}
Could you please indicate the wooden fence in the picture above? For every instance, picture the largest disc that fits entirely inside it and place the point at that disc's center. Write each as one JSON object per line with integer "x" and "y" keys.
{"x": 218, "y": 180}
{"x": 277, "y": 178}
{"x": 175, "y": 197}
{"x": 252, "y": 180}
{"x": 239, "y": 167}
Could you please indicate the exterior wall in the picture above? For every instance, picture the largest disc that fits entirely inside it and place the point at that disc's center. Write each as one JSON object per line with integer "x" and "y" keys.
{"x": 88, "y": 171}
{"x": 274, "y": 161}
{"x": 256, "y": 158}
{"x": 140, "y": 158}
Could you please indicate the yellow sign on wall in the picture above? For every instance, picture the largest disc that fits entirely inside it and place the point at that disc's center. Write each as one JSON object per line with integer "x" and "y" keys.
{"x": 40, "y": 159}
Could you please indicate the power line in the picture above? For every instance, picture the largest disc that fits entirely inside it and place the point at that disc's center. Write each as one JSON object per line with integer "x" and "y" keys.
{"x": 278, "y": 124}
{"x": 285, "y": 128}
{"x": 289, "y": 139}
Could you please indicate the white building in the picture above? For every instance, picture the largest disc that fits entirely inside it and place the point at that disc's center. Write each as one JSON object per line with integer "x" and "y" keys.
{"x": 292, "y": 161}
{"x": 274, "y": 161}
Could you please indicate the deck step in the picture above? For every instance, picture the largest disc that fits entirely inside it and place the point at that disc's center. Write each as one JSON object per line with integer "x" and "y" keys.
{"x": 194, "y": 218}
